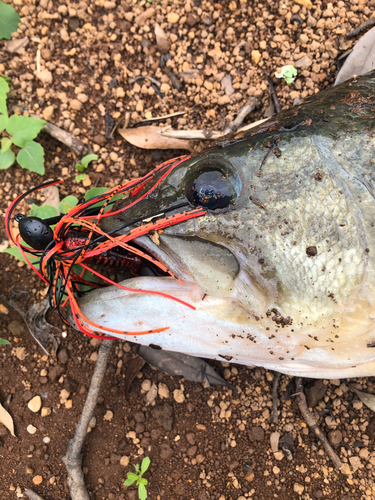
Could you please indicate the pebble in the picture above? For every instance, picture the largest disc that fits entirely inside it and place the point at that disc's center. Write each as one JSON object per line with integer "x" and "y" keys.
{"x": 298, "y": 488}
{"x": 35, "y": 404}
{"x": 108, "y": 416}
{"x": 256, "y": 434}
{"x": 255, "y": 57}
{"x": 76, "y": 104}
{"x": 315, "y": 393}
{"x": 31, "y": 429}
{"x": 109, "y": 5}
{"x": 45, "y": 76}
{"x": 3, "y": 309}
{"x": 335, "y": 437}
{"x": 46, "y": 440}
{"x": 304, "y": 61}
{"x": 45, "y": 411}
{"x": 179, "y": 395}
{"x": 124, "y": 460}
{"x": 274, "y": 439}
{"x": 163, "y": 391}
{"x": 163, "y": 415}
{"x": 37, "y": 480}
{"x": 173, "y": 18}
{"x": 190, "y": 438}
{"x": 250, "y": 477}
{"x": 55, "y": 373}
{"x": 63, "y": 356}
{"x": 17, "y": 328}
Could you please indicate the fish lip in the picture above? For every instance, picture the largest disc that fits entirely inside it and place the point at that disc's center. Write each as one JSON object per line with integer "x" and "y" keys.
{"x": 169, "y": 260}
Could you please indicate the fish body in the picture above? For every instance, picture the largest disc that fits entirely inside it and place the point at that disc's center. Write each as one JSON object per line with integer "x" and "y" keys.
{"x": 280, "y": 269}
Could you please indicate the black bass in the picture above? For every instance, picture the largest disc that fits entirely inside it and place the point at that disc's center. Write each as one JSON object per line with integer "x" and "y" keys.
{"x": 280, "y": 269}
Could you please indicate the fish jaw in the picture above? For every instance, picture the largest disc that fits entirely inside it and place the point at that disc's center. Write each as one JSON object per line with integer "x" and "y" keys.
{"x": 222, "y": 329}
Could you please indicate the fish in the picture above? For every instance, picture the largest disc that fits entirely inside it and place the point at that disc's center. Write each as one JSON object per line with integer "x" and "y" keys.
{"x": 278, "y": 270}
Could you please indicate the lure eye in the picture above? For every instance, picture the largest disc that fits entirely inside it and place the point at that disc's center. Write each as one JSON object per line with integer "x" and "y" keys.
{"x": 34, "y": 231}
{"x": 211, "y": 190}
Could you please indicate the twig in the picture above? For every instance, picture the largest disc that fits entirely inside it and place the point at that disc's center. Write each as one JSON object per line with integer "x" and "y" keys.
{"x": 311, "y": 422}
{"x": 156, "y": 82}
{"x": 274, "y": 397}
{"x": 32, "y": 495}
{"x": 275, "y": 99}
{"x": 367, "y": 24}
{"x": 244, "y": 111}
{"x": 78, "y": 147}
{"x": 73, "y": 457}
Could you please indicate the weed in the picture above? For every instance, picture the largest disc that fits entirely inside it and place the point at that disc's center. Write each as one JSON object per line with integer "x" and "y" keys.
{"x": 9, "y": 21}
{"x": 19, "y": 131}
{"x": 81, "y": 167}
{"x": 289, "y": 73}
{"x": 137, "y": 478}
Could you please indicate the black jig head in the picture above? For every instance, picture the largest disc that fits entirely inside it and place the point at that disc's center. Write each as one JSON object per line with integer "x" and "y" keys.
{"x": 34, "y": 231}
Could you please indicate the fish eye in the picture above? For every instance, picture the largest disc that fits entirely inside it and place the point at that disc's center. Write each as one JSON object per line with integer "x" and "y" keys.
{"x": 212, "y": 189}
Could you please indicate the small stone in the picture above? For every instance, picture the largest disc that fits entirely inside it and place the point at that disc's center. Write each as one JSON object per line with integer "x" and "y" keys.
{"x": 191, "y": 451}
{"x": 223, "y": 100}
{"x": 124, "y": 460}
{"x": 147, "y": 14}
{"x": 179, "y": 395}
{"x": 95, "y": 343}
{"x": 31, "y": 429}
{"x": 63, "y": 356}
{"x": 335, "y": 437}
{"x": 83, "y": 98}
{"x": 163, "y": 391}
{"x": 64, "y": 35}
{"x": 249, "y": 477}
{"x": 76, "y": 104}
{"x": 92, "y": 423}
{"x": 94, "y": 356}
{"x": 29, "y": 470}
{"x": 45, "y": 76}
{"x": 146, "y": 385}
{"x": 45, "y": 411}
{"x": 199, "y": 459}
{"x": 163, "y": 415}
{"x": 165, "y": 88}
{"x": 69, "y": 404}
{"x": 274, "y": 439}
{"x": 64, "y": 396}
{"x": 276, "y": 470}
{"x": 190, "y": 438}
{"x": 298, "y": 488}
{"x": 3, "y": 309}
{"x": 256, "y": 434}
{"x": 370, "y": 429}
{"x": 109, "y": 5}
{"x": 255, "y": 57}
{"x": 35, "y": 404}
{"x": 315, "y": 393}
{"x": 304, "y": 61}
{"x": 17, "y": 328}
{"x": 46, "y": 440}
{"x": 357, "y": 404}
{"x": 165, "y": 451}
{"x": 55, "y": 373}
{"x": 46, "y": 54}
{"x": 355, "y": 462}
{"x": 172, "y": 17}
{"x": 108, "y": 416}
{"x": 37, "y": 479}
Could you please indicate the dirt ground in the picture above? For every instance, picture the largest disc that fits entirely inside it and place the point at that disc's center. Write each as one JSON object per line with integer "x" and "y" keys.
{"x": 77, "y": 69}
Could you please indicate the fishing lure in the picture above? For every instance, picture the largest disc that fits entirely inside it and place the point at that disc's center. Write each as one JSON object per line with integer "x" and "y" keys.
{"x": 66, "y": 252}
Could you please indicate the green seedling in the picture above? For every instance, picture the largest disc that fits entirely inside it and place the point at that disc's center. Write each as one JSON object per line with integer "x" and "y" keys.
{"x": 289, "y": 73}
{"x": 137, "y": 478}
{"x": 19, "y": 131}
{"x": 9, "y": 21}
{"x": 81, "y": 167}
{"x": 4, "y": 342}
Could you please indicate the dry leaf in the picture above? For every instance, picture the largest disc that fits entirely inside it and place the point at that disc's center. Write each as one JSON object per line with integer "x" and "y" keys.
{"x": 134, "y": 365}
{"x": 161, "y": 39}
{"x": 366, "y": 398}
{"x": 151, "y": 138}
{"x": 361, "y": 60}
{"x": 6, "y": 420}
{"x": 17, "y": 46}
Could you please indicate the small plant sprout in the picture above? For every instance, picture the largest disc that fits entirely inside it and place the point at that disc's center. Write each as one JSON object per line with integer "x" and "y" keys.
{"x": 137, "y": 478}
{"x": 289, "y": 73}
{"x": 81, "y": 167}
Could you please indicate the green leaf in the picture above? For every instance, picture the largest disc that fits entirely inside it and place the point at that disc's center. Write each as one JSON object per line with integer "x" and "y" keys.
{"x": 142, "y": 492}
{"x": 4, "y": 86}
{"x": 80, "y": 168}
{"x": 88, "y": 158}
{"x": 31, "y": 157}
{"x": 131, "y": 478}
{"x": 9, "y": 21}
{"x": 137, "y": 468}
{"x": 43, "y": 212}
{"x": 145, "y": 464}
{"x": 95, "y": 191}
{"x": 4, "y": 342}
{"x": 24, "y": 129}
{"x": 18, "y": 255}
{"x": 6, "y": 159}
{"x": 67, "y": 204}
{"x": 143, "y": 481}
{"x": 80, "y": 177}
{"x": 3, "y": 119}
{"x": 5, "y": 144}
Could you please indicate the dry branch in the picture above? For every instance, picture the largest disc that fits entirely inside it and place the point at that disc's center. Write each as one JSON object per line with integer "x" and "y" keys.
{"x": 311, "y": 422}
{"x": 73, "y": 457}
{"x": 32, "y": 495}
{"x": 274, "y": 397}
